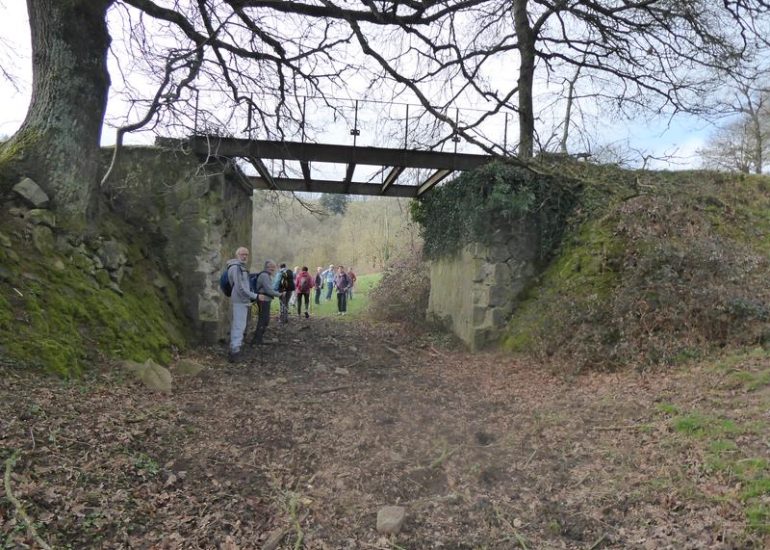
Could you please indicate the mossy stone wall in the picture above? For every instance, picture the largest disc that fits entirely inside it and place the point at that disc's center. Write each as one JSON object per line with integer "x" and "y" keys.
{"x": 196, "y": 215}
{"x": 475, "y": 292}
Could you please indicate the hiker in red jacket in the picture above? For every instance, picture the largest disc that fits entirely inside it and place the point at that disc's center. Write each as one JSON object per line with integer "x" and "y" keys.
{"x": 352, "y": 277}
{"x": 304, "y": 284}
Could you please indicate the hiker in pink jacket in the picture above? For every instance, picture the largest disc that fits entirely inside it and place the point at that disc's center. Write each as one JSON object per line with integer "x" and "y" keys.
{"x": 304, "y": 284}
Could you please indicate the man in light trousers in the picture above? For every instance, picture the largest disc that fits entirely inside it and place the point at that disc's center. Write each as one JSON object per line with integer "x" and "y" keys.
{"x": 240, "y": 298}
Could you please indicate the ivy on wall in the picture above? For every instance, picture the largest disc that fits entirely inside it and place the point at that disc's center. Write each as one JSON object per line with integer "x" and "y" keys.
{"x": 472, "y": 207}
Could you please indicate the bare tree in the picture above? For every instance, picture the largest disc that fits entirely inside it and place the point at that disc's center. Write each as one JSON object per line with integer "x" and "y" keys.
{"x": 630, "y": 56}
{"x": 264, "y": 53}
{"x": 742, "y": 143}
{"x": 730, "y": 148}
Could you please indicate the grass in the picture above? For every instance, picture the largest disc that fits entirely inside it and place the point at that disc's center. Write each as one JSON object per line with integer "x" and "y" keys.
{"x": 725, "y": 454}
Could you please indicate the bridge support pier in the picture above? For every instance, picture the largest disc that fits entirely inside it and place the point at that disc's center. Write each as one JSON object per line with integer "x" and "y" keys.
{"x": 475, "y": 293}
{"x": 196, "y": 216}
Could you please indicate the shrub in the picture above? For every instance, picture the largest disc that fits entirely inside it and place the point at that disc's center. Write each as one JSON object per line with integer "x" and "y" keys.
{"x": 474, "y": 205}
{"x": 402, "y": 294}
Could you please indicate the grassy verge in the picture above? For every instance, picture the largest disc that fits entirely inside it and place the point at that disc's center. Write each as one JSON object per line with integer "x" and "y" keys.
{"x": 726, "y": 446}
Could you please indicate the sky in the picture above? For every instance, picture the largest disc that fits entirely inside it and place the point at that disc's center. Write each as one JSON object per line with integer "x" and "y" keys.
{"x": 678, "y": 140}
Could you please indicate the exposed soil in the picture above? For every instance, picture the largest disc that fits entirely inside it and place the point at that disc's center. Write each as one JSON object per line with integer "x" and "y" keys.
{"x": 300, "y": 446}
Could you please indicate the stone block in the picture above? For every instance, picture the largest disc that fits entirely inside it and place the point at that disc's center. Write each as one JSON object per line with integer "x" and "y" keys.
{"x": 482, "y": 338}
{"x": 498, "y": 316}
{"x": 500, "y": 274}
{"x": 479, "y": 315}
{"x": 43, "y": 239}
{"x": 112, "y": 255}
{"x": 41, "y": 216}
{"x": 155, "y": 377}
{"x": 390, "y": 519}
{"x": 499, "y": 295}
{"x": 17, "y": 212}
{"x": 188, "y": 367}
{"x": 208, "y": 309}
{"x": 484, "y": 273}
{"x": 499, "y": 254}
{"x": 32, "y": 193}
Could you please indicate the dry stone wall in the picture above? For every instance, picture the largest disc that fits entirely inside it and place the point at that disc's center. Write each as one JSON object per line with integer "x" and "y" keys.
{"x": 475, "y": 292}
{"x": 196, "y": 217}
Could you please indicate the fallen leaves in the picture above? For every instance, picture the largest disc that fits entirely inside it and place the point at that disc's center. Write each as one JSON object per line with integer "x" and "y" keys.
{"x": 483, "y": 451}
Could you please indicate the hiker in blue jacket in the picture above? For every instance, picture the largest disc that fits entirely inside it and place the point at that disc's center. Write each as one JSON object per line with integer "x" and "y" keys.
{"x": 328, "y": 277}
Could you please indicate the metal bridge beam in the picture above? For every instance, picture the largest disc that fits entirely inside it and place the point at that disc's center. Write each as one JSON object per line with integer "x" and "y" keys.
{"x": 349, "y": 176}
{"x": 341, "y": 154}
{"x": 391, "y": 178}
{"x": 263, "y": 171}
{"x": 432, "y": 181}
{"x": 306, "y": 173}
{"x": 331, "y": 186}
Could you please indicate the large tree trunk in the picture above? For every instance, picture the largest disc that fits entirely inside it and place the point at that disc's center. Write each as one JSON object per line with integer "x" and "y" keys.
{"x": 58, "y": 143}
{"x": 526, "y": 40}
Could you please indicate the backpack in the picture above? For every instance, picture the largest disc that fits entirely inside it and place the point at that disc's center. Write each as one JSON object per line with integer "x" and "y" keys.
{"x": 224, "y": 282}
{"x": 286, "y": 283}
{"x": 304, "y": 282}
{"x": 253, "y": 277}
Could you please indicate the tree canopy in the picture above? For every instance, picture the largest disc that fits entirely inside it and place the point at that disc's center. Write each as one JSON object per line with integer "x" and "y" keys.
{"x": 548, "y": 63}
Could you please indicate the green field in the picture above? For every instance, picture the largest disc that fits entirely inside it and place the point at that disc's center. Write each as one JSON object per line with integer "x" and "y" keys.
{"x": 356, "y": 307}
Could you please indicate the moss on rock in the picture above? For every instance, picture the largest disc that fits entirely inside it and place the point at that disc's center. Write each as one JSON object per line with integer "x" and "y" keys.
{"x": 583, "y": 276}
{"x": 67, "y": 319}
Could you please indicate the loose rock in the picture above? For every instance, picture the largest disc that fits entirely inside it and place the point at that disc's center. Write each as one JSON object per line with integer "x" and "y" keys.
{"x": 390, "y": 519}
{"x": 32, "y": 193}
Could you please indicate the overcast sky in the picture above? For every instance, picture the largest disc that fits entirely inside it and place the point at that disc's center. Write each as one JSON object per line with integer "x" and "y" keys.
{"x": 659, "y": 137}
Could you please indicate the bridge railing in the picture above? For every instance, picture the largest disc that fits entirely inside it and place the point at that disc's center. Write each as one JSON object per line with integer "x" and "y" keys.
{"x": 357, "y": 122}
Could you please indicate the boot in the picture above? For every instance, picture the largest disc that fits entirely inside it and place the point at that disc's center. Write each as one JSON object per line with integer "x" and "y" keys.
{"x": 256, "y": 340}
{"x": 234, "y": 357}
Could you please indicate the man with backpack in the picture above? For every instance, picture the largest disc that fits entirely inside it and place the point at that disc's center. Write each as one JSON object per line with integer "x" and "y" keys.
{"x": 263, "y": 286}
{"x": 285, "y": 285}
{"x": 304, "y": 285}
{"x": 236, "y": 278}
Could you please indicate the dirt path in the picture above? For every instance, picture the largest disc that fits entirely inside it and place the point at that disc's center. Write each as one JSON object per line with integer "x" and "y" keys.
{"x": 300, "y": 446}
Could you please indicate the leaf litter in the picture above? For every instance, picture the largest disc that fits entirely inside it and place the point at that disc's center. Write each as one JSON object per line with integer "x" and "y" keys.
{"x": 303, "y": 443}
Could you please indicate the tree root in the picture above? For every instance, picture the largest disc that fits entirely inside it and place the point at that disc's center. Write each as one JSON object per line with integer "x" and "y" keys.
{"x": 31, "y": 531}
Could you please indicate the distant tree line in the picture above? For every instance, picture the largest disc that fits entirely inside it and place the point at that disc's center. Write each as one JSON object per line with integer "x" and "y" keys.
{"x": 366, "y": 235}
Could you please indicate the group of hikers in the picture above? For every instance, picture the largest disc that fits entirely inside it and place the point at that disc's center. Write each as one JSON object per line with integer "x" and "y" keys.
{"x": 291, "y": 287}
